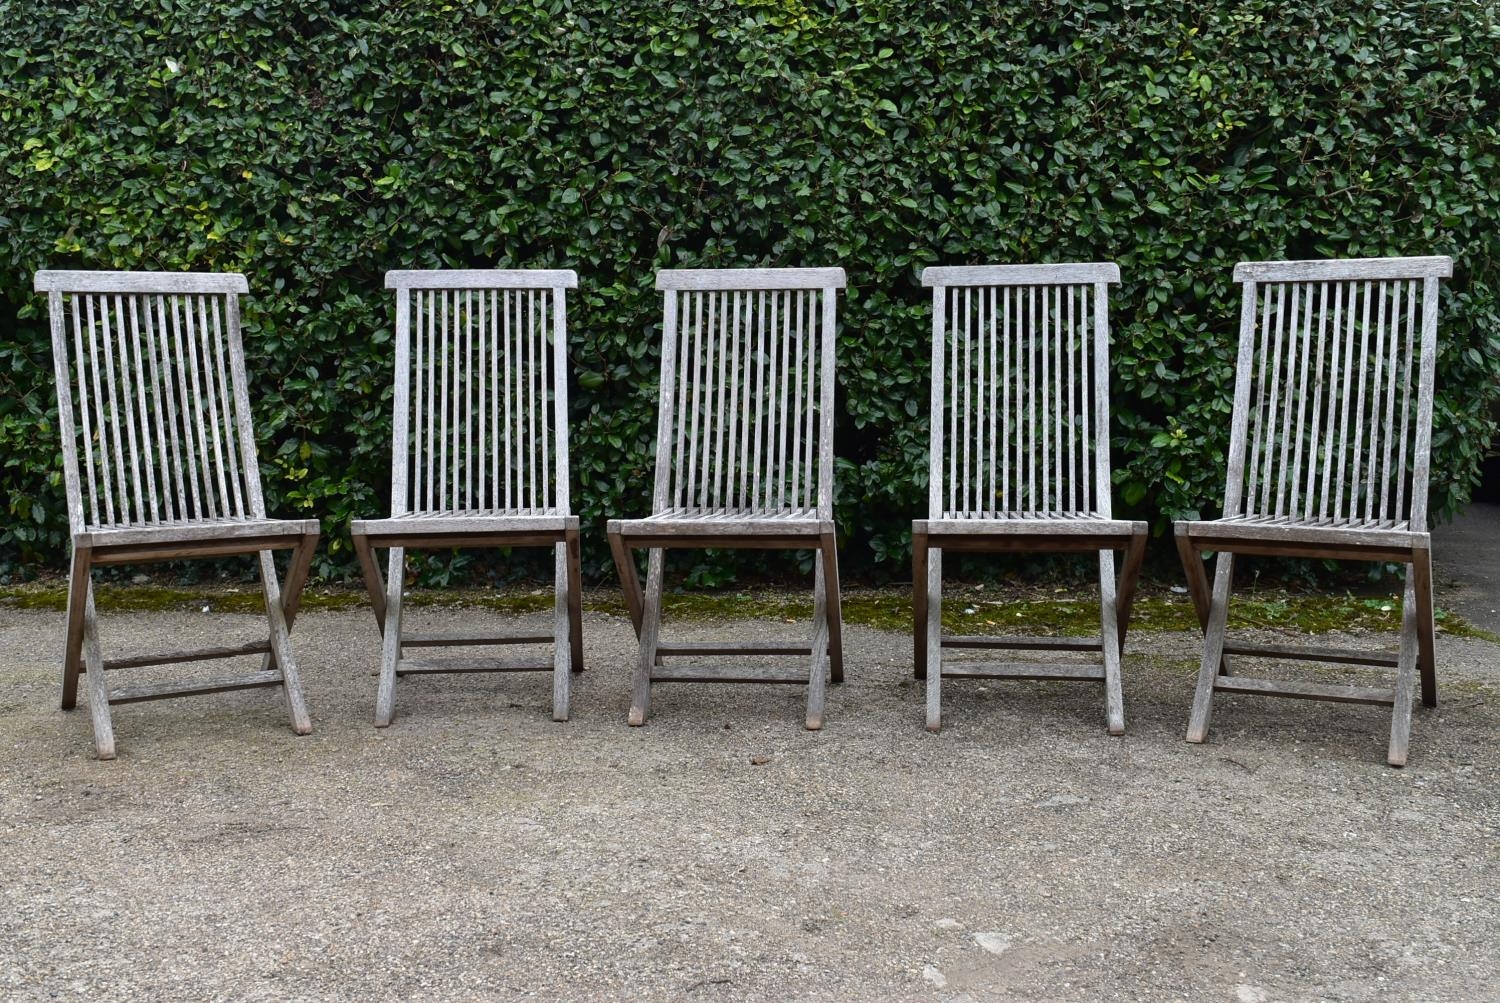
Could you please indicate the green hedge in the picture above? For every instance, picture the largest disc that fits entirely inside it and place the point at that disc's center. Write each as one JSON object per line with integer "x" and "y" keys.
{"x": 314, "y": 146}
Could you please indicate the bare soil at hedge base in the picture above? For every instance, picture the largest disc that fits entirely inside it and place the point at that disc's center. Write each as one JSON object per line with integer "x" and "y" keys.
{"x": 478, "y": 851}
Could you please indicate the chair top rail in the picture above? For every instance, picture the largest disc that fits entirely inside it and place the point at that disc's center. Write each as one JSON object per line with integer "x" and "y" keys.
{"x": 749, "y": 278}
{"x": 140, "y": 282}
{"x": 1433, "y": 266}
{"x": 1021, "y": 275}
{"x": 494, "y": 278}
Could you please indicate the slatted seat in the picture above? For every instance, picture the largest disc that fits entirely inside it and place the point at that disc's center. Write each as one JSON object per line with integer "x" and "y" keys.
{"x": 1019, "y": 459}
{"x": 744, "y": 459}
{"x": 479, "y": 459}
{"x": 1328, "y": 458}
{"x": 152, "y": 397}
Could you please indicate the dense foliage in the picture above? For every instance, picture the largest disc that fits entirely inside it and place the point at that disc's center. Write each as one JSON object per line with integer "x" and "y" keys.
{"x": 313, "y": 145}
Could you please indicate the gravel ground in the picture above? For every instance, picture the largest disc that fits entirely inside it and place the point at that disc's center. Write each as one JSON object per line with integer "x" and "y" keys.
{"x": 478, "y": 851}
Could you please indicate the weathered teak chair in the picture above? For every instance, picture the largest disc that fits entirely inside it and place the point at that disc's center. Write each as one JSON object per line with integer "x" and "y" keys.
{"x": 744, "y": 458}
{"x": 1328, "y": 458}
{"x": 479, "y": 457}
{"x": 151, "y": 391}
{"x": 1020, "y": 458}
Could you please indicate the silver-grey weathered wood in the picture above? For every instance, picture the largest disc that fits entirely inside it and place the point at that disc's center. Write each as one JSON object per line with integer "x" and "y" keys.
{"x": 744, "y": 459}
{"x": 159, "y": 463}
{"x": 1328, "y": 458}
{"x": 1020, "y": 457}
{"x": 479, "y": 457}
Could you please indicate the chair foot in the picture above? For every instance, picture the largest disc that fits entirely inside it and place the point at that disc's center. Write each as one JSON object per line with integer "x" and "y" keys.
{"x": 637, "y": 717}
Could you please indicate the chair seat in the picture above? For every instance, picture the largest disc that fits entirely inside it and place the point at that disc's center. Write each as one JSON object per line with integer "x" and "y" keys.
{"x": 724, "y": 522}
{"x": 195, "y": 531}
{"x": 1029, "y": 524}
{"x": 449, "y": 523}
{"x": 1270, "y": 529}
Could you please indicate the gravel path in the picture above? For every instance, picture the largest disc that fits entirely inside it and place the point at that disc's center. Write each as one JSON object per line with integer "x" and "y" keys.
{"x": 478, "y": 851}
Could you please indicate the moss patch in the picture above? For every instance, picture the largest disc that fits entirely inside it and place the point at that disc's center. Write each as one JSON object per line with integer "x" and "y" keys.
{"x": 965, "y": 611}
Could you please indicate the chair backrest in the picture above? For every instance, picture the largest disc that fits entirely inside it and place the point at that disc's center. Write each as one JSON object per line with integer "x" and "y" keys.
{"x": 1331, "y": 423}
{"x": 480, "y": 421}
{"x": 1020, "y": 390}
{"x": 151, "y": 391}
{"x": 747, "y": 378}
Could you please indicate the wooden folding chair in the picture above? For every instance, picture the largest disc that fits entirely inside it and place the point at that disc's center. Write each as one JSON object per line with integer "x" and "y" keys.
{"x": 479, "y": 458}
{"x": 744, "y": 459}
{"x": 1328, "y": 458}
{"x": 1020, "y": 459}
{"x": 151, "y": 391}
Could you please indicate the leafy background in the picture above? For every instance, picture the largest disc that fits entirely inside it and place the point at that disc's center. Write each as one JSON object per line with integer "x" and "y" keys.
{"x": 315, "y": 145}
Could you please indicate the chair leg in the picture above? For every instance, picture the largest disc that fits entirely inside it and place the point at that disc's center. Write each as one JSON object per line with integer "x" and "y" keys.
{"x": 1109, "y": 640}
{"x": 630, "y": 579}
{"x": 1197, "y": 580}
{"x": 562, "y": 641}
{"x": 374, "y": 584}
{"x": 1129, "y": 576}
{"x": 919, "y": 605}
{"x": 281, "y": 642}
{"x": 104, "y": 729}
{"x": 640, "y": 702}
{"x": 78, "y": 588}
{"x": 291, "y": 591}
{"x": 1213, "y": 648}
{"x": 575, "y": 599}
{"x": 390, "y": 649}
{"x": 934, "y": 587}
{"x": 1406, "y": 671}
{"x": 1197, "y": 586}
{"x": 817, "y": 678}
{"x": 1421, "y": 569}
{"x": 835, "y": 611}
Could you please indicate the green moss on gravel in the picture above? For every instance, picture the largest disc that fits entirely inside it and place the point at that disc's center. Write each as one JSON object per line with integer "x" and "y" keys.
{"x": 967, "y": 611}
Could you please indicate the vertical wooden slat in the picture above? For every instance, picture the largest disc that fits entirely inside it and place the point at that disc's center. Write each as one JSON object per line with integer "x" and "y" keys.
{"x": 104, "y": 420}
{"x": 1337, "y": 399}
{"x": 444, "y": 402}
{"x": 162, "y": 345}
{"x": 828, "y": 335}
{"x": 1257, "y": 435}
{"x": 56, "y": 310}
{"x": 1385, "y": 474}
{"x": 561, "y": 469}
{"x": 216, "y": 469}
{"x": 202, "y": 464}
{"x": 1357, "y": 445}
{"x": 1074, "y": 473}
{"x": 498, "y": 416}
{"x": 966, "y": 371}
{"x": 1379, "y": 420}
{"x": 676, "y": 342}
{"x": 951, "y": 396}
{"x": 463, "y": 337}
{"x": 1043, "y": 390}
{"x": 798, "y": 327}
{"x": 1030, "y": 385}
{"x": 1287, "y": 389}
{"x": 126, "y": 463}
{"x": 247, "y": 447}
{"x": 1422, "y": 439}
{"x": 228, "y": 402}
{"x": 1239, "y": 418}
{"x": 480, "y": 315}
{"x": 936, "y": 407}
{"x": 1316, "y": 463}
{"x": 996, "y": 374}
{"x": 400, "y": 413}
{"x": 135, "y": 394}
{"x": 508, "y": 300}
{"x": 1007, "y": 295}
{"x": 815, "y": 335}
{"x": 528, "y": 456}
{"x": 140, "y": 320}
{"x": 418, "y": 429}
{"x": 665, "y": 430}
{"x": 703, "y": 318}
{"x": 762, "y": 318}
{"x": 1102, "y": 501}
{"x": 1407, "y": 356}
